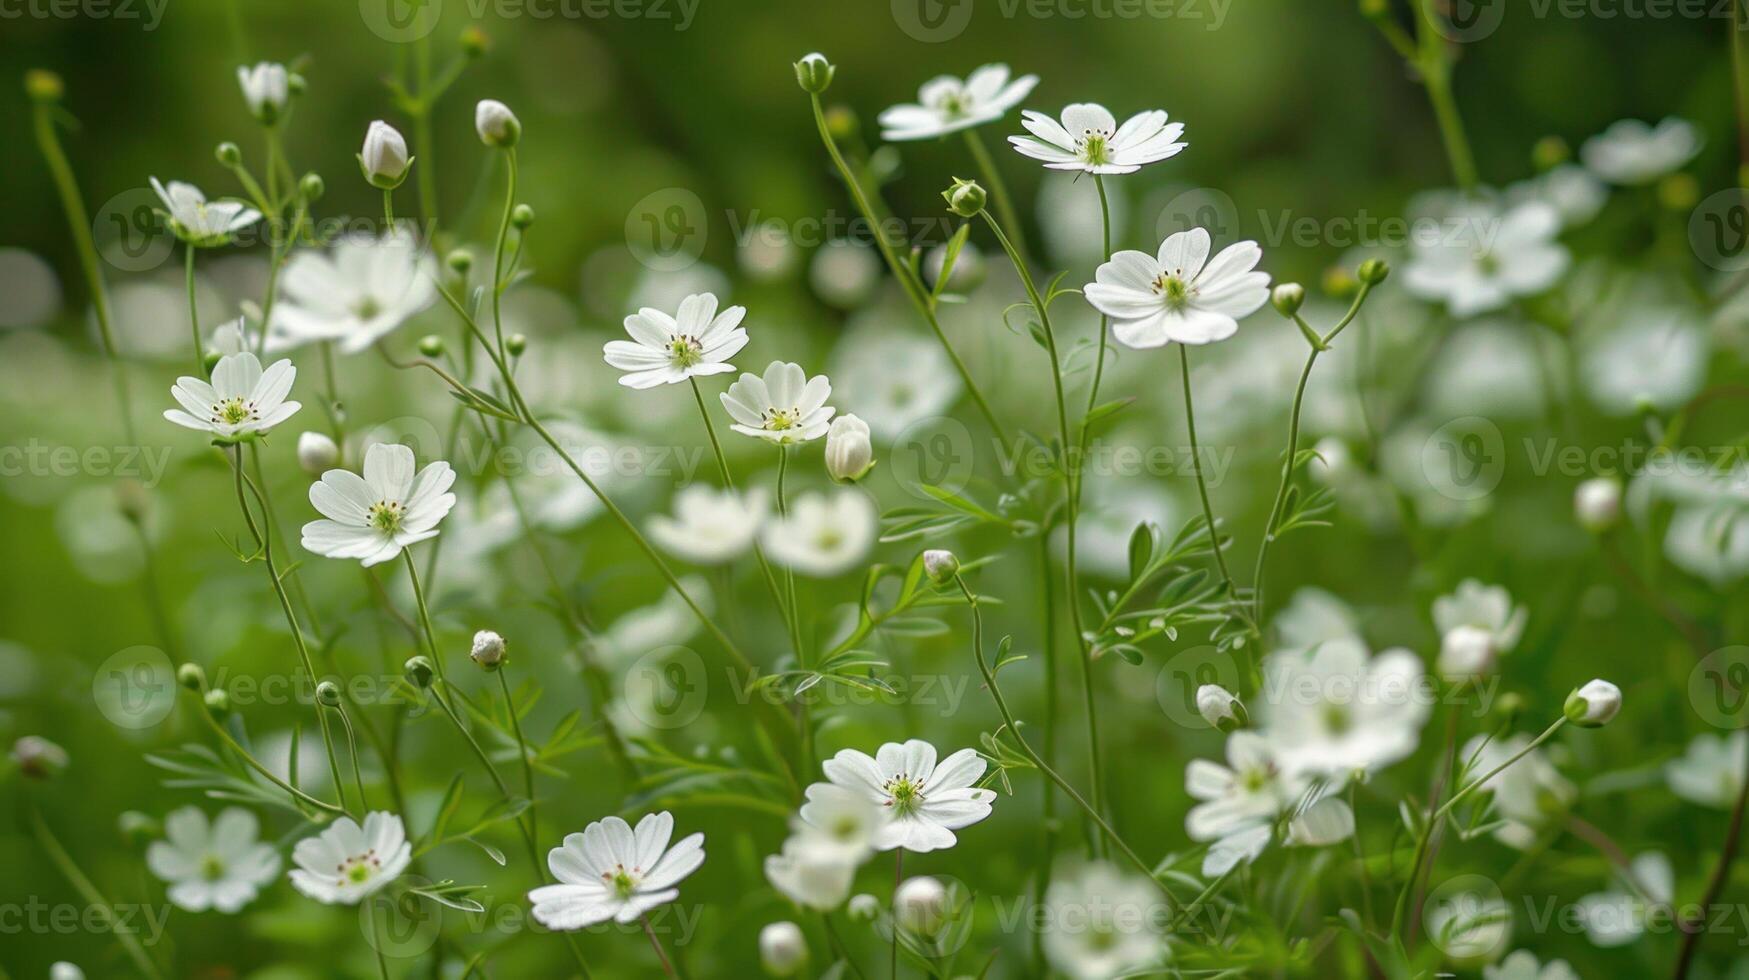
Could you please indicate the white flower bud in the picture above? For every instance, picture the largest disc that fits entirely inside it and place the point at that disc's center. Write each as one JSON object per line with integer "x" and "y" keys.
{"x": 849, "y": 453}
{"x": 1593, "y": 705}
{"x": 266, "y": 88}
{"x": 488, "y": 650}
{"x": 317, "y": 454}
{"x": 920, "y": 903}
{"x": 1597, "y": 504}
{"x": 865, "y": 907}
{"x": 1467, "y": 651}
{"x": 782, "y": 949}
{"x": 1220, "y": 707}
{"x": 940, "y": 565}
{"x": 38, "y": 758}
{"x": 496, "y": 124}
{"x": 384, "y": 158}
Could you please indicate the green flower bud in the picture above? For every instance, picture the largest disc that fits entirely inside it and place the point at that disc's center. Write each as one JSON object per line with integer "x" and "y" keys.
{"x": 814, "y": 73}
{"x": 218, "y": 702}
{"x": 1373, "y": 271}
{"x": 431, "y": 345}
{"x": 1593, "y": 705}
{"x": 228, "y": 154}
{"x": 192, "y": 676}
{"x": 43, "y": 86}
{"x": 515, "y": 344}
{"x": 522, "y": 216}
{"x": 1550, "y": 152}
{"x": 940, "y": 565}
{"x": 137, "y": 828}
{"x": 460, "y": 261}
{"x": 419, "y": 671}
{"x": 965, "y": 198}
{"x": 1288, "y": 298}
{"x": 328, "y": 694}
{"x": 474, "y": 42}
{"x": 312, "y": 187}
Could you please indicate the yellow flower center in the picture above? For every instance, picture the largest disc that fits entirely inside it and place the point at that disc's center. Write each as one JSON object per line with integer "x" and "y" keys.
{"x": 386, "y": 516}
{"x": 235, "y": 411}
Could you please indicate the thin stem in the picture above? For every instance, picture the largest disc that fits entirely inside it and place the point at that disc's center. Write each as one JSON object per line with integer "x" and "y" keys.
{"x": 424, "y": 613}
{"x": 95, "y": 903}
{"x": 656, "y": 944}
{"x": 1014, "y": 728}
{"x": 194, "y": 319}
{"x": 376, "y": 935}
{"x": 1434, "y": 65}
{"x": 1202, "y": 488}
{"x": 1692, "y": 930}
{"x": 1048, "y": 805}
{"x": 388, "y": 211}
{"x": 804, "y": 724}
{"x": 352, "y": 747}
{"x": 902, "y": 272}
{"x": 1104, "y": 321}
{"x": 521, "y": 752}
{"x": 498, "y": 250}
{"x": 1189, "y": 911}
{"x": 258, "y": 766}
{"x": 999, "y": 190}
{"x": 898, "y": 878}
{"x": 78, "y": 222}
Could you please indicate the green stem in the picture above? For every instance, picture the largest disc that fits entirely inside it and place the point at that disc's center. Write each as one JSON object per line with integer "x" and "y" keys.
{"x": 95, "y": 903}
{"x": 352, "y": 748}
{"x": 498, "y": 284}
{"x": 388, "y": 211}
{"x": 1202, "y": 488}
{"x": 521, "y": 753}
{"x": 194, "y": 319}
{"x": 661, "y": 954}
{"x": 999, "y": 190}
{"x": 424, "y": 613}
{"x": 1434, "y": 65}
{"x": 78, "y": 223}
{"x": 1104, "y": 321}
{"x": 804, "y": 724}
{"x": 256, "y": 764}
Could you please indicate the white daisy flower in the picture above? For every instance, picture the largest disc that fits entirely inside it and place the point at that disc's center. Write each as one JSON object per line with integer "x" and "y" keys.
{"x": 1654, "y": 357}
{"x": 824, "y": 534}
{"x": 926, "y": 802}
{"x": 1179, "y": 294}
{"x": 610, "y": 871}
{"x": 1619, "y": 916}
{"x": 390, "y": 507}
{"x": 1570, "y": 189}
{"x": 346, "y": 863}
{"x": 1522, "y": 965}
{"x": 1103, "y": 923}
{"x": 265, "y": 87}
{"x": 892, "y": 378}
{"x": 1478, "y": 258}
{"x": 785, "y": 406}
{"x": 354, "y": 294}
{"x": 1250, "y": 789}
{"x": 1335, "y": 710}
{"x": 946, "y": 104}
{"x": 1089, "y": 139}
{"x": 1477, "y": 624}
{"x": 695, "y": 342}
{"x": 241, "y": 402}
{"x": 809, "y": 875}
{"x": 1710, "y": 771}
{"x": 1313, "y": 616}
{"x": 709, "y": 526}
{"x": 212, "y": 866}
{"x": 199, "y": 222}
{"x": 1632, "y": 153}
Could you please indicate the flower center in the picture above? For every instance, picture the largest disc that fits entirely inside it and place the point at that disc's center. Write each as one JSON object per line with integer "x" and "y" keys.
{"x": 685, "y": 350}
{"x": 386, "y": 515}
{"x": 366, "y": 308}
{"x": 1487, "y": 262}
{"x": 1174, "y": 290}
{"x": 904, "y": 794}
{"x": 1336, "y": 718}
{"x": 954, "y": 104}
{"x": 779, "y": 419}
{"x": 359, "y": 868}
{"x": 235, "y": 411}
{"x": 829, "y": 539}
{"x": 1095, "y": 146}
{"x": 211, "y": 868}
{"x": 623, "y": 882}
{"x": 1254, "y": 780}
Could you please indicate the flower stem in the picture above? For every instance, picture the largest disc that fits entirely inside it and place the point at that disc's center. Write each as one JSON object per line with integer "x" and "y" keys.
{"x": 256, "y": 764}
{"x": 1202, "y": 488}
{"x": 498, "y": 284}
{"x": 424, "y": 613}
{"x": 521, "y": 753}
{"x": 1693, "y": 930}
{"x": 194, "y": 318}
{"x": 804, "y": 724}
{"x": 95, "y": 903}
{"x": 999, "y": 190}
{"x": 388, "y": 211}
{"x": 898, "y": 878}
{"x": 1434, "y": 66}
{"x": 902, "y": 272}
{"x": 656, "y": 944}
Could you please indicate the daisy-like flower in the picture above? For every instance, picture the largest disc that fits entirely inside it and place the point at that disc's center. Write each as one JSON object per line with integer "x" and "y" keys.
{"x": 1631, "y": 153}
{"x": 1104, "y": 923}
{"x": 1641, "y": 898}
{"x": 241, "y": 402}
{"x": 1240, "y": 801}
{"x": 709, "y": 526}
{"x": 1089, "y": 139}
{"x": 785, "y": 406}
{"x": 696, "y": 341}
{"x": 824, "y": 534}
{"x": 354, "y": 294}
{"x": 346, "y": 863}
{"x": 1478, "y": 258}
{"x": 1477, "y": 623}
{"x": 1179, "y": 294}
{"x": 610, "y": 871}
{"x": 834, "y": 833}
{"x": 372, "y": 517}
{"x": 1652, "y": 356}
{"x": 1710, "y": 772}
{"x": 926, "y": 802}
{"x": 1335, "y": 710}
{"x": 199, "y": 222}
{"x": 946, "y": 104}
{"x": 212, "y": 866}
{"x": 265, "y": 87}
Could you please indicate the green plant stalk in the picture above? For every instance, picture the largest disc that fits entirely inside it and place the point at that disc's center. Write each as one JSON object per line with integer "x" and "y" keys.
{"x": 94, "y": 900}
{"x": 999, "y": 190}
{"x": 902, "y": 272}
{"x": 194, "y": 319}
{"x": 498, "y": 283}
{"x": 1050, "y": 773}
{"x": 388, "y": 211}
{"x": 1293, "y": 442}
{"x": 1070, "y": 465}
{"x": 804, "y": 724}
{"x": 656, "y": 944}
{"x": 1048, "y": 806}
{"x": 256, "y": 764}
{"x": 521, "y": 753}
{"x": 1202, "y": 487}
{"x": 352, "y": 749}
{"x": 1721, "y": 876}
{"x": 1435, "y": 69}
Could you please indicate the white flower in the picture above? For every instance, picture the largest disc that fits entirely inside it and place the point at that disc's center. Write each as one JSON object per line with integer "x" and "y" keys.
{"x": 695, "y": 342}
{"x": 1631, "y": 153}
{"x": 1103, "y": 923}
{"x": 242, "y": 400}
{"x": 892, "y": 379}
{"x": 1597, "y": 503}
{"x": 496, "y": 124}
{"x": 62, "y": 970}
{"x": 488, "y": 650}
{"x": 384, "y": 159}
{"x": 1570, "y": 189}
{"x": 1220, "y": 707}
{"x": 1619, "y": 916}
{"x": 1179, "y": 294}
{"x": 1240, "y": 801}
{"x": 1089, "y": 139}
{"x": 1522, "y": 965}
{"x": 218, "y": 865}
{"x": 354, "y": 294}
{"x": 785, "y": 406}
{"x": 1477, "y": 259}
{"x": 390, "y": 507}
{"x": 947, "y": 105}
{"x": 840, "y": 821}
{"x": 1528, "y": 795}
{"x": 266, "y": 88}
{"x": 345, "y": 863}
{"x": 920, "y": 904}
{"x": 810, "y": 876}
{"x": 1655, "y": 357}
{"x": 1710, "y": 772}
{"x": 864, "y": 908}
{"x": 1477, "y": 623}
{"x": 824, "y": 534}
{"x": 782, "y": 949}
{"x": 1313, "y": 616}
{"x": 1593, "y": 705}
{"x": 1335, "y": 711}
{"x": 1328, "y": 821}
{"x": 610, "y": 871}
{"x": 849, "y": 454}
{"x": 927, "y": 802}
{"x": 317, "y": 453}
{"x": 198, "y": 222}
{"x": 709, "y": 526}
